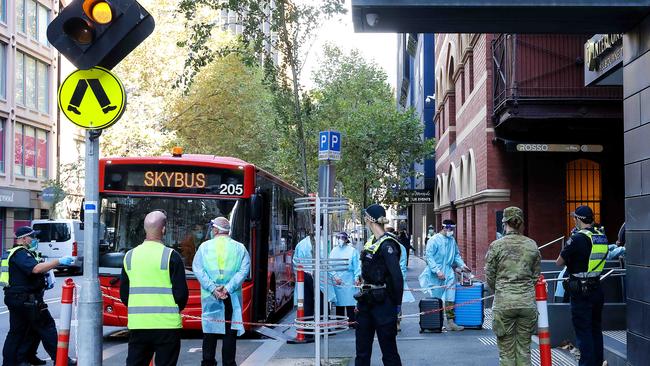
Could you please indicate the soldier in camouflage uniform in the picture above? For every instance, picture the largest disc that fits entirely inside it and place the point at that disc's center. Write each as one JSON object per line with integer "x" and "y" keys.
{"x": 512, "y": 268}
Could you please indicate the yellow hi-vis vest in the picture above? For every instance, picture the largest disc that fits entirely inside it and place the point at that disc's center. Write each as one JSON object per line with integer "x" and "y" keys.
{"x": 599, "y": 250}
{"x": 151, "y": 301}
{"x": 4, "y": 267}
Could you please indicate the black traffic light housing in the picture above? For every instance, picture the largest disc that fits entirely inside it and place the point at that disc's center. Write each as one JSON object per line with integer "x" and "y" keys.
{"x": 85, "y": 37}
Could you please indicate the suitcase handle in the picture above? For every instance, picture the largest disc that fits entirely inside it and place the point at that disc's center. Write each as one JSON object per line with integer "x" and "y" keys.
{"x": 466, "y": 279}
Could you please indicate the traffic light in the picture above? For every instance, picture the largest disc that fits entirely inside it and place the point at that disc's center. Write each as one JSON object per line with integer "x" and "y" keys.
{"x": 99, "y": 32}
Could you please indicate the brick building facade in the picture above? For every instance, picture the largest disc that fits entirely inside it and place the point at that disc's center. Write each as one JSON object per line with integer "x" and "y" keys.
{"x": 504, "y": 103}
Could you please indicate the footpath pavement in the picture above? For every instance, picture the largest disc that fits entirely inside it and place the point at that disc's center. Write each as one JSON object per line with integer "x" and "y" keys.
{"x": 470, "y": 347}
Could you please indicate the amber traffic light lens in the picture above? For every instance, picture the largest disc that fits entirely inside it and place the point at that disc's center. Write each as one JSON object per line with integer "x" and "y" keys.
{"x": 102, "y": 13}
{"x": 80, "y": 31}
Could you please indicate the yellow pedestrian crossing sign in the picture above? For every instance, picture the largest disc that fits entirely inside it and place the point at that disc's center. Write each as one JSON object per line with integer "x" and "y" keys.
{"x": 97, "y": 108}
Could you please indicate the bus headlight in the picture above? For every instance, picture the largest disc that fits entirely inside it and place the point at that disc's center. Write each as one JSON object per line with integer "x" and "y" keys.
{"x": 109, "y": 309}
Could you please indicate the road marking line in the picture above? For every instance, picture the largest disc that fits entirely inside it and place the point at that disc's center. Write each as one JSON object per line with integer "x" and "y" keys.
{"x": 263, "y": 354}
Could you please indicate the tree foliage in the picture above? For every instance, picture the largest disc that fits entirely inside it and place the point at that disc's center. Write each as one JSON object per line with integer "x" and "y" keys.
{"x": 228, "y": 111}
{"x": 272, "y": 29}
{"x": 380, "y": 143}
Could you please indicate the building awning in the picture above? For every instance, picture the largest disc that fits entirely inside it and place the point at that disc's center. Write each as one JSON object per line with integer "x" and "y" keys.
{"x": 498, "y": 16}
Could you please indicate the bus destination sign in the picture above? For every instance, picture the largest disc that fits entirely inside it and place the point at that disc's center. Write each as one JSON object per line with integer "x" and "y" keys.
{"x": 182, "y": 179}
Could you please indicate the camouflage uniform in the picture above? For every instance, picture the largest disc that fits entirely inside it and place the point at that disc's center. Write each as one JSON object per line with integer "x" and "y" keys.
{"x": 512, "y": 268}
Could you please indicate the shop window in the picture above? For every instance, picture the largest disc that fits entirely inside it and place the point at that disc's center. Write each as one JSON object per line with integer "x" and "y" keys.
{"x": 583, "y": 187}
{"x": 3, "y": 11}
{"x": 22, "y": 217}
{"x": 30, "y": 154}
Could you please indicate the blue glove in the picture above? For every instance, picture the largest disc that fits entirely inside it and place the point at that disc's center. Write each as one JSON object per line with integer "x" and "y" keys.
{"x": 66, "y": 260}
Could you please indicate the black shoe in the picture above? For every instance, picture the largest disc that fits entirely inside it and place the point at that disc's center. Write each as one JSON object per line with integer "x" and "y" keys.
{"x": 36, "y": 361}
{"x": 74, "y": 109}
{"x": 109, "y": 108}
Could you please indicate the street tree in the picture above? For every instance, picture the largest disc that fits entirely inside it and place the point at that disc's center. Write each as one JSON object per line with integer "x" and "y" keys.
{"x": 380, "y": 142}
{"x": 228, "y": 111}
{"x": 280, "y": 34}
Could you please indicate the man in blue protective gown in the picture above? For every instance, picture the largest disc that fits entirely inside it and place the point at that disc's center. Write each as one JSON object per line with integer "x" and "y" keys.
{"x": 442, "y": 255}
{"x": 221, "y": 265}
{"x": 345, "y": 281}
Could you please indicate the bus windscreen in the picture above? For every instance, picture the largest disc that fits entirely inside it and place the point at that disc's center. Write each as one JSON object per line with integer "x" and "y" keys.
{"x": 181, "y": 179}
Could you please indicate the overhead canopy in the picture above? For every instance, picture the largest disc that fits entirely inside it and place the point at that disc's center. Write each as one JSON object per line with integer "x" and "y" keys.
{"x": 498, "y": 16}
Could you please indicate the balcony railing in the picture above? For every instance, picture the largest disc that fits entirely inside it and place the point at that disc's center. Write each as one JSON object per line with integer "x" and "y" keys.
{"x": 542, "y": 67}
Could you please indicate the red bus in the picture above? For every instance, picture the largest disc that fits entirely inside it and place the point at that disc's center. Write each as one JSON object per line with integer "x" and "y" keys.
{"x": 192, "y": 190}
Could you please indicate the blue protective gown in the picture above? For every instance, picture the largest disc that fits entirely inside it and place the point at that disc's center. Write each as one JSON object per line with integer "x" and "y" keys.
{"x": 441, "y": 255}
{"x": 345, "y": 291}
{"x": 207, "y": 270}
{"x": 407, "y": 295}
{"x": 303, "y": 254}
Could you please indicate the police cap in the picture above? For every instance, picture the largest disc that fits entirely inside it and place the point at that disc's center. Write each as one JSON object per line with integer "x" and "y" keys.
{"x": 376, "y": 213}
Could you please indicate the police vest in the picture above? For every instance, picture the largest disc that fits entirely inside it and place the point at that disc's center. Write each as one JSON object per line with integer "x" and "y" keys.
{"x": 598, "y": 255}
{"x": 4, "y": 267}
{"x": 374, "y": 270}
{"x": 151, "y": 301}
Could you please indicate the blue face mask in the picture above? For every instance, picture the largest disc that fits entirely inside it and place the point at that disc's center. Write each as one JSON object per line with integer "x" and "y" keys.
{"x": 33, "y": 246}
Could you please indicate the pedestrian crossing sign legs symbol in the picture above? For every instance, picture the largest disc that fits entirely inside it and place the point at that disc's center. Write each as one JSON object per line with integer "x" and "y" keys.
{"x": 93, "y": 99}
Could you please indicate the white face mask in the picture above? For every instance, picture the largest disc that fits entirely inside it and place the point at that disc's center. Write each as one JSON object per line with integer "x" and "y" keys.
{"x": 450, "y": 234}
{"x": 431, "y": 231}
{"x": 340, "y": 242}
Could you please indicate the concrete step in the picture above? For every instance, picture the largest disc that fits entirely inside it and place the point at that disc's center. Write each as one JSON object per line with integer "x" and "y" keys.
{"x": 615, "y": 344}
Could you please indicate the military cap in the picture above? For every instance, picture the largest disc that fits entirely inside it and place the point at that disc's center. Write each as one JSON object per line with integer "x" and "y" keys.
{"x": 513, "y": 213}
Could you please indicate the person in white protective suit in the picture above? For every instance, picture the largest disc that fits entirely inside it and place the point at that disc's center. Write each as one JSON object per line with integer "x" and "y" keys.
{"x": 345, "y": 281}
{"x": 441, "y": 256}
{"x": 221, "y": 265}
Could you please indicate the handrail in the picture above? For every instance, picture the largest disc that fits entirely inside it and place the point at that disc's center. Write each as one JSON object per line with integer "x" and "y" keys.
{"x": 551, "y": 242}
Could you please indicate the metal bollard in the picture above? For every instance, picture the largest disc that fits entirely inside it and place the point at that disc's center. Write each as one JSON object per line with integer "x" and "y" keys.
{"x": 64, "y": 324}
{"x": 542, "y": 323}
{"x": 300, "y": 291}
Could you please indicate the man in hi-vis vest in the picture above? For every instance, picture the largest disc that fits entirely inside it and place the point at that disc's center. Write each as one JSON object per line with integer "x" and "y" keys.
{"x": 221, "y": 265}
{"x": 154, "y": 289}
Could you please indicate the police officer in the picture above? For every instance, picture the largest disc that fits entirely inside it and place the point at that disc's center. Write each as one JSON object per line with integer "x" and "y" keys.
{"x": 23, "y": 279}
{"x": 154, "y": 289}
{"x": 512, "y": 266}
{"x": 381, "y": 292}
{"x": 584, "y": 257}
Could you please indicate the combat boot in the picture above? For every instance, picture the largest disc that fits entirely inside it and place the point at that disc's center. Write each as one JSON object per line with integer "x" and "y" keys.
{"x": 452, "y": 326}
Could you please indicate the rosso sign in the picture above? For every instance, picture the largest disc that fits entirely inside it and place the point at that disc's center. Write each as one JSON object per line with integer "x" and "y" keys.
{"x": 532, "y": 147}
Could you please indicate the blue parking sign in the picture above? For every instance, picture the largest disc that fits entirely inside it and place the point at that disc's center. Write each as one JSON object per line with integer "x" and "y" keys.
{"x": 329, "y": 145}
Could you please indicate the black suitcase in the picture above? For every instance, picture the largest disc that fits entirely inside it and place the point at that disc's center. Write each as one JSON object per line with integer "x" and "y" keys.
{"x": 431, "y": 321}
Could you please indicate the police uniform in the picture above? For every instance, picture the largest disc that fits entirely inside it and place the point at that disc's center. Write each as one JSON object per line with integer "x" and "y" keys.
{"x": 585, "y": 259}
{"x": 154, "y": 289}
{"x": 512, "y": 268}
{"x": 380, "y": 296}
{"x": 28, "y": 313}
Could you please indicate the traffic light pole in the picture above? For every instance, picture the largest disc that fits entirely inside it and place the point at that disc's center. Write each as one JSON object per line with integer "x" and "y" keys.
{"x": 89, "y": 322}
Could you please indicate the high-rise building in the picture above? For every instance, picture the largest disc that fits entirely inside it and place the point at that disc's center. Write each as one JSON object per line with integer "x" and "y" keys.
{"x": 416, "y": 89}
{"x": 28, "y": 123}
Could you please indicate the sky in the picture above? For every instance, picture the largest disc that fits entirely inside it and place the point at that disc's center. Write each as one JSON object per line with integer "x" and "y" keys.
{"x": 380, "y": 47}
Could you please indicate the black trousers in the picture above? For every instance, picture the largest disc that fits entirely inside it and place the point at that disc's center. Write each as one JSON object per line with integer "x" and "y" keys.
{"x": 309, "y": 303}
{"x": 28, "y": 318}
{"x": 144, "y": 343}
{"x": 229, "y": 347}
{"x": 587, "y": 314}
{"x": 380, "y": 319}
{"x": 341, "y": 310}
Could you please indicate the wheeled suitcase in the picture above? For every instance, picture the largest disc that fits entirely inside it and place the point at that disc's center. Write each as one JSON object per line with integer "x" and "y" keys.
{"x": 469, "y": 307}
{"x": 432, "y": 320}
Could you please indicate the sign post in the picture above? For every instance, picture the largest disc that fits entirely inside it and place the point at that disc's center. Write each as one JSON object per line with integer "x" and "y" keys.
{"x": 93, "y": 99}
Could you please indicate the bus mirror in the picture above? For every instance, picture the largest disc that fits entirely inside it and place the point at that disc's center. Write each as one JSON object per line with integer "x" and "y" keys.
{"x": 256, "y": 207}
